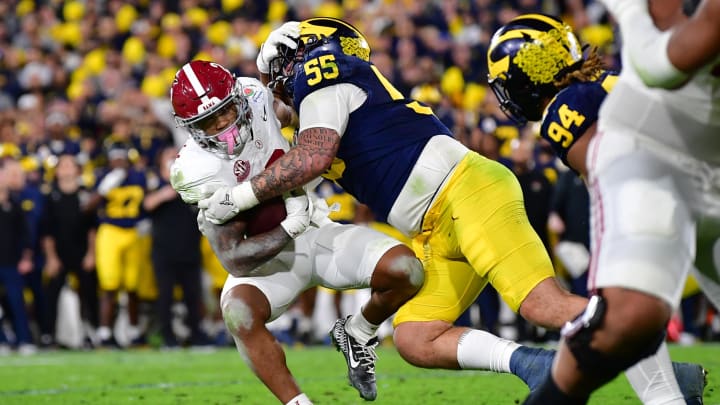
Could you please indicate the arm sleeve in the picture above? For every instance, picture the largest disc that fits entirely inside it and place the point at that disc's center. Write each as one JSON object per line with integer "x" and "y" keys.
{"x": 646, "y": 47}
{"x": 330, "y": 107}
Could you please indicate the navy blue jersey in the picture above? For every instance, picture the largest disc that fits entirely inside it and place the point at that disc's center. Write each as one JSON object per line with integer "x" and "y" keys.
{"x": 383, "y": 138}
{"x": 123, "y": 204}
{"x": 573, "y": 110}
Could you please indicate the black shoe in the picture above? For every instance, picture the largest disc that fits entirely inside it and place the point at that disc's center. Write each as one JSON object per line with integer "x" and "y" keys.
{"x": 360, "y": 359}
{"x": 140, "y": 341}
{"x": 692, "y": 379}
{"x": 110, "y": 343}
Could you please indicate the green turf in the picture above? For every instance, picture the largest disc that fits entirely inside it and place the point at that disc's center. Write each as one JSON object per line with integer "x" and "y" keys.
{"x": 220, "y": 377}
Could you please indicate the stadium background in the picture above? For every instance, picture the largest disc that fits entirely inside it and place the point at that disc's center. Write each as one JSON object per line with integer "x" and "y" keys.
{"x": 82, "y": 77}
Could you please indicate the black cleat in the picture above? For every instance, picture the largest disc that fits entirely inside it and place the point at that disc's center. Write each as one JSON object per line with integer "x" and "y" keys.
{"x": 360, "y": 359}
{"x": 692, "y": 379}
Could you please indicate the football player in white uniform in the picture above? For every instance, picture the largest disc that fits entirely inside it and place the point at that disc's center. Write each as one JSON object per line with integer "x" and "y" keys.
{"x": 667, "y": 58}
{"x": 654, "y": 176}
{"x": 235, "y": 134}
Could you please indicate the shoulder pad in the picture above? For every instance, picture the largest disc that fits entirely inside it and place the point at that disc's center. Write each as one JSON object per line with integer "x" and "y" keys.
{"x": 194, "y": 174}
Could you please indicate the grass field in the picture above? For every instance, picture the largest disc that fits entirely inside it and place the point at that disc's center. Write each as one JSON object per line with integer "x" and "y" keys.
{"x": 219, "y": 377}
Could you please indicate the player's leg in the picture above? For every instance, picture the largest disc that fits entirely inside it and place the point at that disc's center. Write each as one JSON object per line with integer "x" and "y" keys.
{"x": 642, "y": 248}
{"x": 248, "y": 303}
{"x": 398, "y": 275}
{"x": 136, "y": 270}
{"x": 246, "y": 309}
{"x": 425, "y": 335}
{"x": 349, "y": 256}
{"x": 109, "y": 244}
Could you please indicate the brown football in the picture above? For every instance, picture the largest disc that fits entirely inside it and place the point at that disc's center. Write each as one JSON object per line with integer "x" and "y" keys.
{"x": 264, "y": 217}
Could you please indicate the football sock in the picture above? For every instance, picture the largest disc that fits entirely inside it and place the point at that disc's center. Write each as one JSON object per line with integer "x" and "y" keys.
{"x": 359, "y": 328}
{"x": 301, "y": 399}
{"x": 480, "y": 350}
{"x": 653, "y": 379}
{"x": 104, "y": 333}
{"x": 133, "y": 332}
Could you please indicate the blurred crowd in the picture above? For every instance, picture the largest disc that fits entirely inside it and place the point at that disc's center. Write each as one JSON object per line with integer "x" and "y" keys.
{"x": 84, "y": 102}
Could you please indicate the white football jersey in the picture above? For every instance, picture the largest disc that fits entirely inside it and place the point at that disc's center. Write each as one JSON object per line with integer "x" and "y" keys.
{"x": 686, "y": 119}
{"x": 197, "y": 173}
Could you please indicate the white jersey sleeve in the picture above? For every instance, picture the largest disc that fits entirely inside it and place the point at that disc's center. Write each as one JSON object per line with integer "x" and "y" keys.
{"x": 330, "y": 107}
{"x": 195, "y": 173}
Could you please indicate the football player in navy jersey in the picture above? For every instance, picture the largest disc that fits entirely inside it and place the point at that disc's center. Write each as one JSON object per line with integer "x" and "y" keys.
{"x": 539, "y": 72}
{"x": 464, "y": 213}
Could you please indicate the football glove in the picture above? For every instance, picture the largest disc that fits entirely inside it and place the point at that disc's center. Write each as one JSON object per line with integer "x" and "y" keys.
{"x": 112, "y": 180}
{"x": 286, "y": 34}
{"x": 297, "y": 218}
{"x": 226, "y": 202}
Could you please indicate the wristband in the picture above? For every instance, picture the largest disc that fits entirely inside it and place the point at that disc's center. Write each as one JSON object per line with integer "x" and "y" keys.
{"x": 243, "y": 196}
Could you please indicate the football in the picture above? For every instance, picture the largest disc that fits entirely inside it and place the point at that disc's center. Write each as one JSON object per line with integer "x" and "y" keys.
{"x": 264, "y": 217}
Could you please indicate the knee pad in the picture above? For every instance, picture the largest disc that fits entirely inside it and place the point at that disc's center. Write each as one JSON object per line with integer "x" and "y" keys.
{"x": 578, "y": 335}
{"x": 236, "y": 314}
{"x": 416, "y": 273}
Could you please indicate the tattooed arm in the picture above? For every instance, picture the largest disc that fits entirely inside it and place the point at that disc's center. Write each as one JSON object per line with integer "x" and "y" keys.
{"x": 238, "y": 255}
{"x": 323, "y": 117}
{"x": 310, "y": 158}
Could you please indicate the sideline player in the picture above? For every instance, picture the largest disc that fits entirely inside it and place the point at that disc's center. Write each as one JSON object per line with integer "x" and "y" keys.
{"x": 464, "y": 212}
{"x": 652, "y": 171}
{"x": 119, "y": 194}
{"x": 567, "y": 101}
{"x": 234, "y": 135}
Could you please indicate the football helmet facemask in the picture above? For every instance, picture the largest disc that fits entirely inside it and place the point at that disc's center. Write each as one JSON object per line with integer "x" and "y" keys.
{"x": 323, "y": 34}
{"x": 525, "y": 57}
{"x": 201, "y": 95}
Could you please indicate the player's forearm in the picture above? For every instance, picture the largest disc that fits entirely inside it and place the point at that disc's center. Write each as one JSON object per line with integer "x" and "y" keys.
{"x": 241, "y": 257}
{"x": 696, "y": 42}
{"x": 312, "y": 156}
{"x": 645, "y": 46}
{"x": 50, "y": 248}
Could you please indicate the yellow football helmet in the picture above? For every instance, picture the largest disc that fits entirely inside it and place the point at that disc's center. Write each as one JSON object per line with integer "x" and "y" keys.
{"x": 525, "y": 57}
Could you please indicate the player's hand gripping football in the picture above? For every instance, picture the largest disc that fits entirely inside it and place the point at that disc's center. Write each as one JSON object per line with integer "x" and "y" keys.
{"x": 319, "y": 210}
{"x": 297, "y": 207}
{"x": 286, "y": 34}
{"x": 226, "y": 202}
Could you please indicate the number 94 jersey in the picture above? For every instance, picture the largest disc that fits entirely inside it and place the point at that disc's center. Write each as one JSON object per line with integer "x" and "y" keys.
{"x": 573, "y": 110}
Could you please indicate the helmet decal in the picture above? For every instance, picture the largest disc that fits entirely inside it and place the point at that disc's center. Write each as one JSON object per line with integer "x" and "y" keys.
{"x": 206, "y": 103}
{"x": 544, "y": 58}
{"x": 525, "y": 58}
{"x": 355, "y": 47}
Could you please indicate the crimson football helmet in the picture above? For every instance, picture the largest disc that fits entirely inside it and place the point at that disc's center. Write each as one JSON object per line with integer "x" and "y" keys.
{"x": 201, "y": 93}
